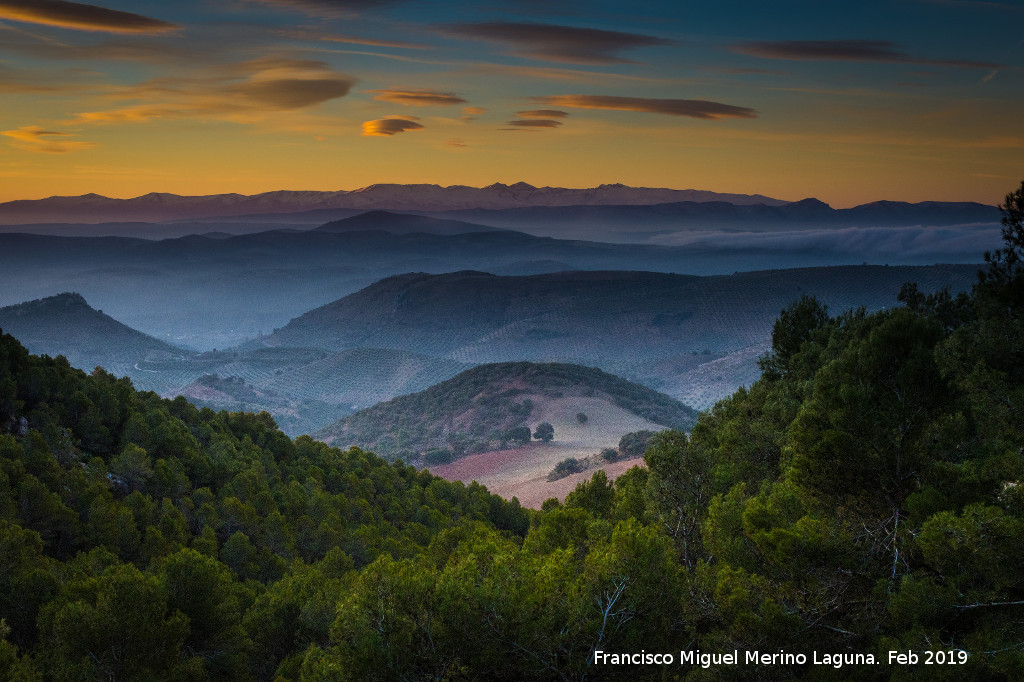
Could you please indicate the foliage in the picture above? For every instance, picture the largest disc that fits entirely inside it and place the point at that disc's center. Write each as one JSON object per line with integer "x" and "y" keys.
{"x": 865, "y": 495}
{"x": 544, "y": 432}
{"x": 566, "y": 467}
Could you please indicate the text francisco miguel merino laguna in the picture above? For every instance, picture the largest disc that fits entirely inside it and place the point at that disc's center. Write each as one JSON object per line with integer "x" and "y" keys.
{"x": 696, "y": 657}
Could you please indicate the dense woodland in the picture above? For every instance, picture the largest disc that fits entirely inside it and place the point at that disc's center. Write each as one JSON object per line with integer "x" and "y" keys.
{"x": 864, "y": 496}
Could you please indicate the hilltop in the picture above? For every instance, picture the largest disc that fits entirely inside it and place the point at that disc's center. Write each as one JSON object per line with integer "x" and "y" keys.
{"x": 67, "y": 325}
{"x": 403, "y": 223}
{"x": 477, "y": 410}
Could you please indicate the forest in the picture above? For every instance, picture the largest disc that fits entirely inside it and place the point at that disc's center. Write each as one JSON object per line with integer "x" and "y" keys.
{"x": 866, "y": 495}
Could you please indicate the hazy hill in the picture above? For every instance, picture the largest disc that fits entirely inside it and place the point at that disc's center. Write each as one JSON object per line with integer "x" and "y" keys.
{"x": 217, "y": 291}
{"x": 402, "y": 223}
{"x": 694, "y": 338}
{"x": 475, "y": 410}
{"x": 304, "y": 388}
{"x": 67, "y": 325}
{"x": 592, "y": 316}
{"x": 632, "y": 223}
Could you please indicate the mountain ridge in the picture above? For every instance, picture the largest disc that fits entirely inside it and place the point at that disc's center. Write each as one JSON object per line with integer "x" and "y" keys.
{"x": 165, "y": 206}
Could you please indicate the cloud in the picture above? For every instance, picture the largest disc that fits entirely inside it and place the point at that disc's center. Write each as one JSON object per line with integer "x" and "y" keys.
{"x": 473, "y": 111}
{"x": 293, "y": 93}
{"x": 543, "y": 113}
{"x": 242, "y": 92}
{"x": 691, "y": 108}
{"x": 560, "y": 74}
{"x": 555, "y": 43}
{"x": 879, "y": 51}
{"x": 304, "y": 34}
{"x": 418, "y": 97}
{"x": 80, "y": 16}
{"x": 390, "y": 125}
{"x": 456, "y": 142}
{"x": 37, "y": 139}
{"x": 534, "y": 123}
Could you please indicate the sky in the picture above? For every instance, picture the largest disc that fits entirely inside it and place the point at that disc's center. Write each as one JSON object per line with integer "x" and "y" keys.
{"x": 848, "y": 102}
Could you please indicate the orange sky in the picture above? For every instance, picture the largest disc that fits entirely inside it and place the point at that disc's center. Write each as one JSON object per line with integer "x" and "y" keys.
{"x": 910, "y": 100}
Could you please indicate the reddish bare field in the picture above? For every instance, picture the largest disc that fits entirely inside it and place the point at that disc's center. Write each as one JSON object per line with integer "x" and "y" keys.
{"x": 523, "y": 473}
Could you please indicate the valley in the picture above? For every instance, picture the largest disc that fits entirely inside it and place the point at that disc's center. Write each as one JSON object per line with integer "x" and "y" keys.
{"x": 326, "y": 325}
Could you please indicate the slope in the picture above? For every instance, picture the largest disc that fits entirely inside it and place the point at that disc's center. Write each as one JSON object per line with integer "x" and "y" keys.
{"x": 67, "y": 325}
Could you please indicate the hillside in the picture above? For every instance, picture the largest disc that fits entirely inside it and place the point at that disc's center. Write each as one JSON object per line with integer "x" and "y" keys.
{"x": 67, "y": 325}
{"x": 593, "y": 316}
{"x": 653, "y": 328}
{"x": 477, "y": 410}
{"x": 861, "y": 497}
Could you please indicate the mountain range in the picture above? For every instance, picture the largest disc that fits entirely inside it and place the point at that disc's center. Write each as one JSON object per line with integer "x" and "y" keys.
{"x": 218, "y": 290}
{"x": 159, "y": 207}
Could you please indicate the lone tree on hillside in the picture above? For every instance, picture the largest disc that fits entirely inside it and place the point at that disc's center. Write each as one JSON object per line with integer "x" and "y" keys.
{"x": 581, "y": 417}
{"x": 544, "y": 432}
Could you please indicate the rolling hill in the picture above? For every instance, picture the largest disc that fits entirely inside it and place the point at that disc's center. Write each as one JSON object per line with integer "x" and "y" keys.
{"x": 661, "y": 330}
{"x": 593, "y": 316}
{"x": 476, "y": 411}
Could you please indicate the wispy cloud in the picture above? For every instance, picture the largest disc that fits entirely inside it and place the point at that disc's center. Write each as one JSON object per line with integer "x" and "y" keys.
{"x": 473, "y": 111}
{"x": 308, "y": 34}
{"x": 456, "y": 142}
{"x": 417, "y": 97}
{"x": 80, "y": 16}
{"x": 390, "y": 125}
{"x": 690, "y": 108}
{"x": 543, "y": 113}
{"x": 40, "y": 140}
{"x": 239, "y": 92}
{"x": 550, "y": 42}
{"x": 534, "y": 123}
{"x": 881, "y": 51}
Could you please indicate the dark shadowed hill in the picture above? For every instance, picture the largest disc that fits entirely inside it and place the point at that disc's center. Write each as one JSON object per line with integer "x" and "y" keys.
{"x": 67, "y": 325}
{"x": 694, "y": 338}
{"x": 403, "y": 223}
{"x": 478, "y": 409}
{"x": 592, "y": 316}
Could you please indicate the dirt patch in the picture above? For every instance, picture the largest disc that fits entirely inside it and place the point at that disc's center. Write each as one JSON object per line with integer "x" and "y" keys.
{"x": 522, "y": 473}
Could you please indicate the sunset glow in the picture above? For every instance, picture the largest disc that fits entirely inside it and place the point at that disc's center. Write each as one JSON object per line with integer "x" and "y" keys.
{"x": 911, "y": 100}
